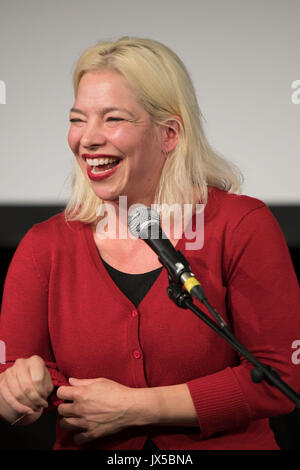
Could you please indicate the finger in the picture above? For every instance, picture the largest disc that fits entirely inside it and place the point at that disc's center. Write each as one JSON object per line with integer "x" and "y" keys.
{"x": 14, "y": 387}
{"x": 10, "y": 399}
{"x": 21, "y": 370}
{"x": 40, "y": 376}
{"x": 67, "y": 410}
{"x": 79, "y": 382}
{"x": 65, "y": 393}
{"x": 29, "y": 391}
{"x": 16, "y": 390}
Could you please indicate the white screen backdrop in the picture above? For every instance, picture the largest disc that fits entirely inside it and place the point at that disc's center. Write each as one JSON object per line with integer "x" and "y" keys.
{"x": 243, "y": 57}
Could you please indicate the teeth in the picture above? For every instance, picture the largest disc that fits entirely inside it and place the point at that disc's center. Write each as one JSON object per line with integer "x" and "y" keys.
{"x": 94, "y": 171}
{"x": 99, "y": 161}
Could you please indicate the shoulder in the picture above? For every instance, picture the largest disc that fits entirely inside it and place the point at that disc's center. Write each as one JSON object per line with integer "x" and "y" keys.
{"x": 55, "y": 229}
{"x": 231, "y": 205}
{"x": 231, "y": 210}
{"x": 44, "y": 239}
{"x": 48, "y": 242}
{"x": 242, "y": 219}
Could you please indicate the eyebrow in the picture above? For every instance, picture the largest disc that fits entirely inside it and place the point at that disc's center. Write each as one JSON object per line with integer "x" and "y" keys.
{"x": 104, "y": 110}
{"x": 76, "y": 110}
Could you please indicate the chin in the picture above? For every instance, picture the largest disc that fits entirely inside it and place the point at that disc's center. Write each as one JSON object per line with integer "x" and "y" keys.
{"x": 107, "y": 198}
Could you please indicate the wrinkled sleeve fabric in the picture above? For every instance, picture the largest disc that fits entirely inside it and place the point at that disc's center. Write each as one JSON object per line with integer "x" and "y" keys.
{"x": 263, "y": 305}
{"x": 24, "y": 310}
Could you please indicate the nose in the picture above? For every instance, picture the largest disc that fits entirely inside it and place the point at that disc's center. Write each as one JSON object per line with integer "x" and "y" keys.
{"x": 93, "y": 135}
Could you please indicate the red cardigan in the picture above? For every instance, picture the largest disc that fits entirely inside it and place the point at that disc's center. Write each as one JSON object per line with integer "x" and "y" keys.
{"x": 60, "y": 303}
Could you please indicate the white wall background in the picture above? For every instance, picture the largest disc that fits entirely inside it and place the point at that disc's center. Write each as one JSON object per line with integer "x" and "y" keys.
{"x": 243, "y": 56}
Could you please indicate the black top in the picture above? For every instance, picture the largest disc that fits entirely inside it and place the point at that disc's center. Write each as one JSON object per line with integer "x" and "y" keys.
{"x": 134, "y": 286}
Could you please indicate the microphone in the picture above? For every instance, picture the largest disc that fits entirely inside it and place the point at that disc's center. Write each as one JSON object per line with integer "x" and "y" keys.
{"x": 144, "y": 223}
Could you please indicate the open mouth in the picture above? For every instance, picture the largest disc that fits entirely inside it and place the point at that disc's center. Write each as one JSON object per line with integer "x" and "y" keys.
{"x": 102, "y": 164}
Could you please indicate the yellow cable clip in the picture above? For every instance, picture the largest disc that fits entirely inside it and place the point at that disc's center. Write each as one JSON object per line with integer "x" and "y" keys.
{"x": 190, "y": 283}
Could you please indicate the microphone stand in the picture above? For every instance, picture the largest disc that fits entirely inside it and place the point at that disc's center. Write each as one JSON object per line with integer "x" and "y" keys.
{"x": 261, "y": 371}
{"x": 179, "y": 272}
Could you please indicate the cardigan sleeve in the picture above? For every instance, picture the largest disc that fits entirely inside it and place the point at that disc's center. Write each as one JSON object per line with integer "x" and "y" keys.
{"x": 263, "y": 305}
{"x": 24, "y": 310}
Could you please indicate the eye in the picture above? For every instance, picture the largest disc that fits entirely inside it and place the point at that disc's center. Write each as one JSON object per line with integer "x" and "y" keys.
{"x": 113, "y": 118}
{"x": 75, "y": 120}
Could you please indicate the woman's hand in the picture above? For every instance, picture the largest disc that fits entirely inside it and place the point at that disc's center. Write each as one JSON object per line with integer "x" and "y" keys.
{"x": 98, "y": 407}
{"x": 24, "y": 389}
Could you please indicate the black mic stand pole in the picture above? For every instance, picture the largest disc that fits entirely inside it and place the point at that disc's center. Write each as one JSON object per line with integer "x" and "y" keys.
{"x": 179, "y": 272}
{"x": 261, "y": 371}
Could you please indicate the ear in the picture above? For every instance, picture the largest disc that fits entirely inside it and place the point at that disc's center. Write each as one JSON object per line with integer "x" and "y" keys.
{"x": 170, "y": 132}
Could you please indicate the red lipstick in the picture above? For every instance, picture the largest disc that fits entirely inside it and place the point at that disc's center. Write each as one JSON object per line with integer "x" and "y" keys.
{"x": 99, "y": 176}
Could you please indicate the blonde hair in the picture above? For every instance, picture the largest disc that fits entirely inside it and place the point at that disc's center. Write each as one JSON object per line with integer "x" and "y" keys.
{"x": 164, "y": 88}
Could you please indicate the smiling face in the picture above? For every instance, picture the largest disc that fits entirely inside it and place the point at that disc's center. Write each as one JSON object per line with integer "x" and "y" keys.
{"x": 108, "y": 123}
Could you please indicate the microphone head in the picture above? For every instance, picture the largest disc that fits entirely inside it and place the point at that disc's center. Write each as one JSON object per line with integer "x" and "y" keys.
{"x": 142, "y": 220}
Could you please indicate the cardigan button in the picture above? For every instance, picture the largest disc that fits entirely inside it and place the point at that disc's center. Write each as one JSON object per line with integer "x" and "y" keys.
{"x": 136, "y": 354}
{"x": 134, "y": 313}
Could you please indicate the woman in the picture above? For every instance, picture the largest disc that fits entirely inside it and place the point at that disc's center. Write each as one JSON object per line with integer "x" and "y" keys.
{"x": 85, "y": 316}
